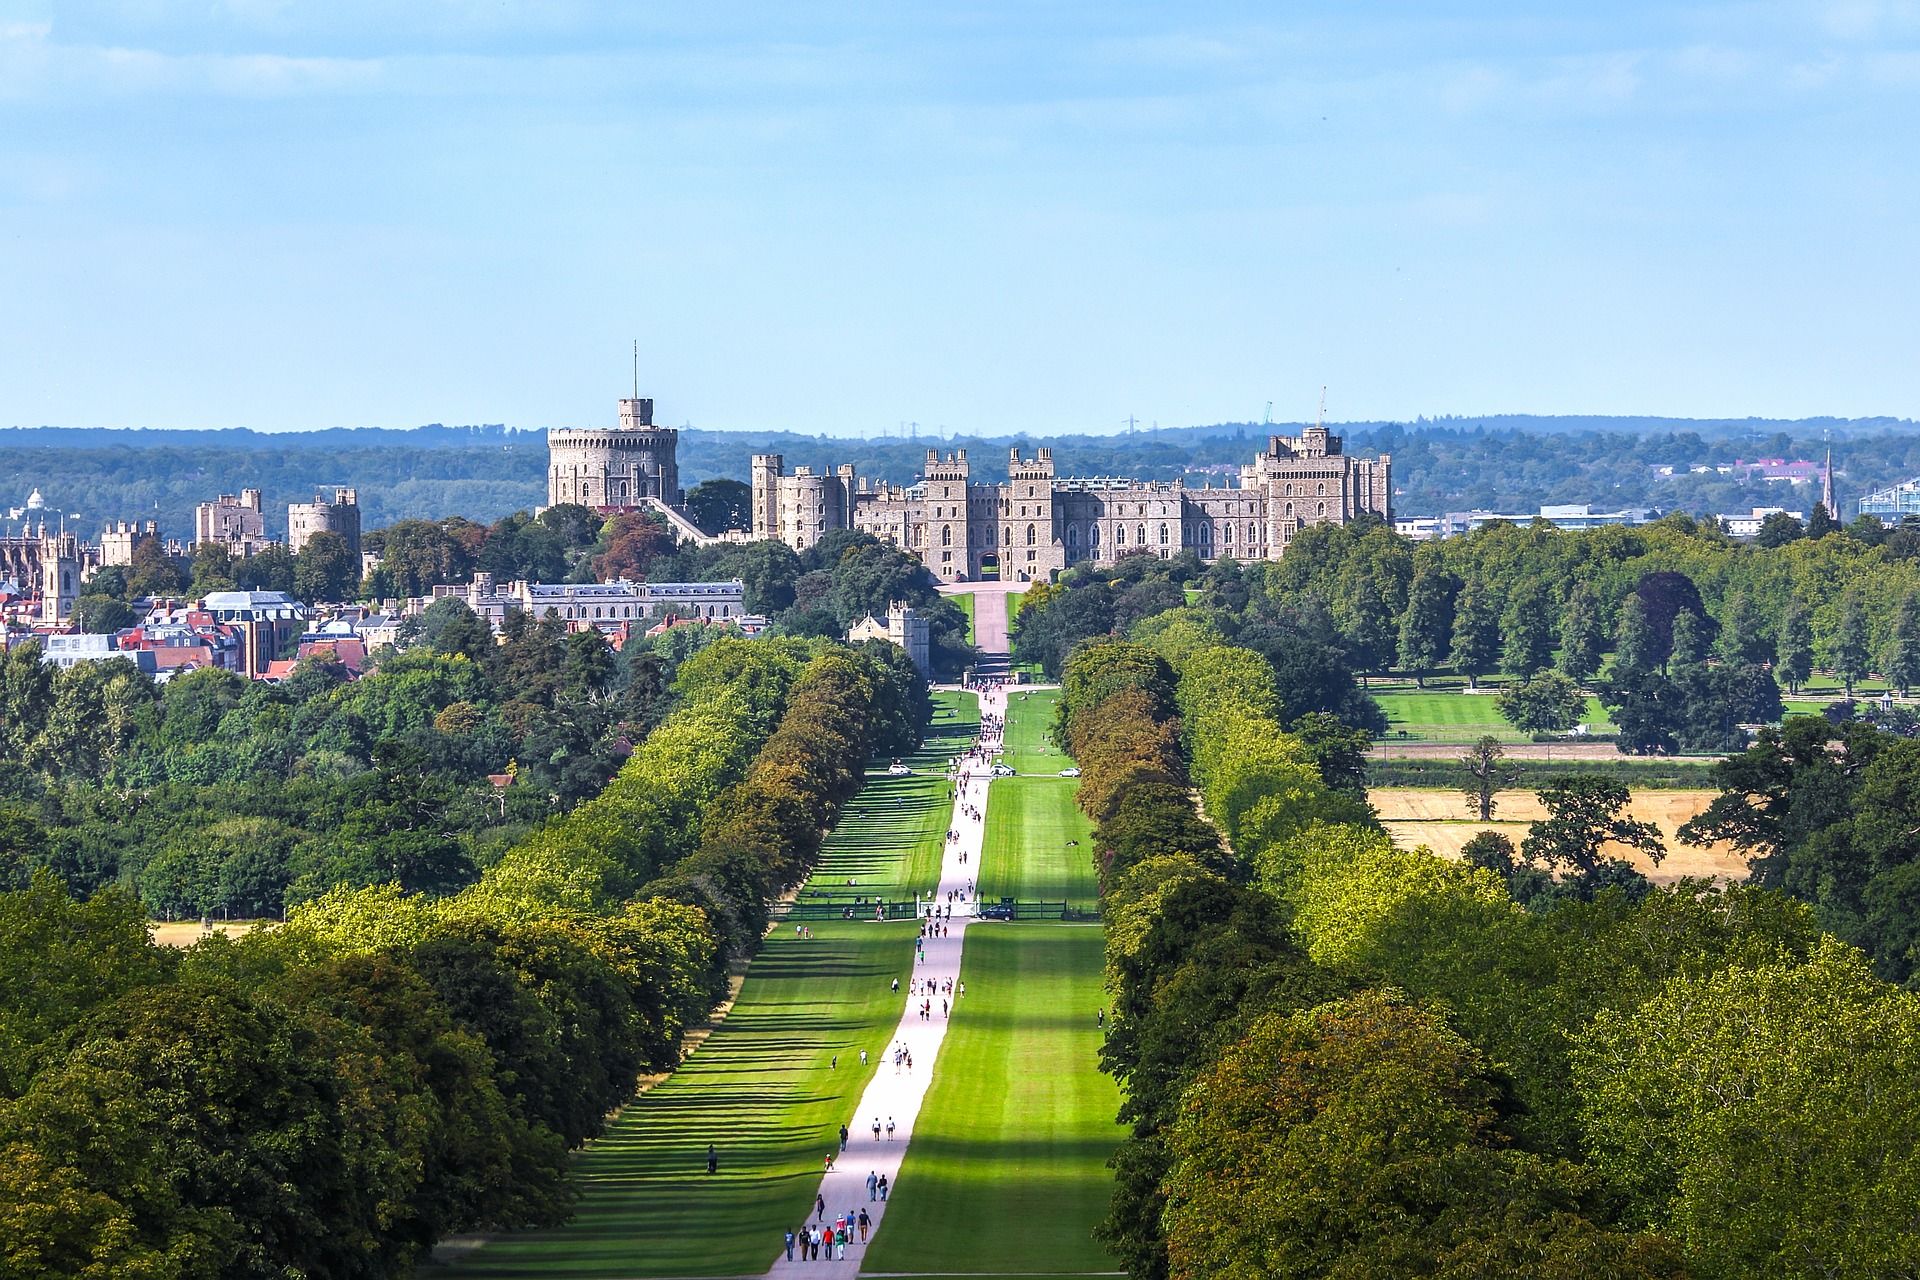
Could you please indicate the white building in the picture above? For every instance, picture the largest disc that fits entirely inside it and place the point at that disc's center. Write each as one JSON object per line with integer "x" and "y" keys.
{"x": 1748, "y": 525}
{"x": 903, "y": 626}
{"x": 604, "y": 606}
{"x": 66, "y": 652}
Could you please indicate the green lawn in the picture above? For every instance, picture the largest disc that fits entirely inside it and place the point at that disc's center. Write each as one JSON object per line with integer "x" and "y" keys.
{"x": 965, "y": 602}
{"x": 1460, "y": 717}
{"x": 761, "y": 1087}
{"x": 1029, "y": 720}
{"x": 1027, "y": 855}
{"x": 1007, "y": 1171}
{"x": 1015, "y": 599}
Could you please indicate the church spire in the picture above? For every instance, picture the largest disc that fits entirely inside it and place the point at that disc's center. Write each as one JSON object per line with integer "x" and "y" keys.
{"x": 1826, "y": 485}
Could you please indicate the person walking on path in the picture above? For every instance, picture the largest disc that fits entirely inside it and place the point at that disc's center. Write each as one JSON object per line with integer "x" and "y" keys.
{"x": 883, "y": 1186}
{"x": 819, "y": 1208}
{"x": 889, "y": 1135}
{"x": 876, "y": 1128}
{"x": 713, "y": 1160}
{"x": 843, "y": 1138}
{"x": 863, "y": 1231}
{"x": 789, "y": 1246}
{"x": 873, "y": 1179}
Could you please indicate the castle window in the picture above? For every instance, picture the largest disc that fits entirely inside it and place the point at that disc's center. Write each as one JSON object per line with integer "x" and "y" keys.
{"x": 1251, "y": 536}
{"x": 1289, "y": 508}
{"x": 1140, "y": 536}
{"x": 1321, "y": 489}
{"x": 1163, "y": 533}
{"x": 1093, "y": 535}
{"x": 1029, "y": 535}
{"x": 1323, "y": 508}
{"x": 1119, "y": 535}
{"x": 1073, "y": 535}
{"x": 1289, "y": 490}
{"x": 1031, "y": 554}
{"x": 1227, "y": 533}
{"x": 946, "y": 538}
{"x": 1029, "y": 491}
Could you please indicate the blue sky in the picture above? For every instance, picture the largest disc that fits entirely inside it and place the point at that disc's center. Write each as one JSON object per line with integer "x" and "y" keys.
{"x": 989, "y": 217}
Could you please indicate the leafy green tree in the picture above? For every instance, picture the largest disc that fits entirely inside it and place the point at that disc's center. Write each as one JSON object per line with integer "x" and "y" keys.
{"x": 1550, "y": 703}
{"x": 1767, "y": 1116}
{"x": 152, "y": 571}
{"x": 1745, "y": 635}
{"x": 1426, "y": 628}
{"x": 720, "y": 504}
{"x": 1476, "y": 632}
{"x": 1793, "y": 656}
{"x": 1848, "y": 652}
{"x": 1637, "y": 642}
{"x": 1362, "y": 1138}
{"x": 1527, "y": 625}
{"x": 213, "y": 569}
{"x": 419, "y": 555}
{"x": 1336, "y": 749}
{"x": 1582, "y": 635}
{"x": 448, "y": 626}
{"x": 1586, "y": 813}
{"x": 1366, "y": 623}
{"x": 1902, "y": 659}
{"x": 1490, "y": 774}
{"x": 102, "y": 615}
{"x": 326, "y": 569}
{"x": 1690, "y": 642}
{"x": 269, "y": 569}
{"x": 1820, "y": 522}
{"x": 1777, "y": 530}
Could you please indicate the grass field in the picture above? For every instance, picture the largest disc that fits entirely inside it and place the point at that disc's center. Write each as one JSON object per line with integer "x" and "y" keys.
{"x": 1014, "y": 600}
{"x": 1029, "y": 719}
{"x": 1007, "y": 1171}
{"x": 761, "y": 1087}
{"x": 965, "y": 601}
{"x": 1461, "y": 717}
{"x": 1027, "y": 855}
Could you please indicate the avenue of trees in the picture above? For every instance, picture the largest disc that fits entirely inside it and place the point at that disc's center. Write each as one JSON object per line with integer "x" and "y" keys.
{"x": 332, "y": 1096}
{"x": 1342, "y": 1058}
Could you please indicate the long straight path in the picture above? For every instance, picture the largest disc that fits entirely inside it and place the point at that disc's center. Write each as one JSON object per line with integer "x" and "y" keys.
{"x": 894, "y": 1095}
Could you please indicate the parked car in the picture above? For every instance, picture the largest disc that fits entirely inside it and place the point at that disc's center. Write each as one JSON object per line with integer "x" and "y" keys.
{"x": 1070, "y": 773}
{"x": 1003, "y": 771}
{"x": 898, "y": 770}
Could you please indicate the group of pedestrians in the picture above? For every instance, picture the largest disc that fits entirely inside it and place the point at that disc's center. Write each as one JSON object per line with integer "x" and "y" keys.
{"x": 823, "y": 1240}
{"x": 902, "y": 1056}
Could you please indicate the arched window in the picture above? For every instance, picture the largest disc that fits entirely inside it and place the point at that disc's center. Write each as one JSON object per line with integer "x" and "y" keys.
{"x": 1321, "y": 490}
{"x": 1140, "y": 536}
{"x": 1006, "y": 536}
{"x": 1029, "y": 535}
{"x": 1323, "y": 508}
{"x": 1119, "y": 535}
{"x": 1289, "y": 508}
{"x": 1251, "y": 535}
{"x": 1073, "y": 535}
{"x": 1226, "y": 531}
{"x": 1289, "y": 490}
{"x": 1163, "y": 533}
{"x": 1093, "y": 535}
{"x": 946, "y": 535}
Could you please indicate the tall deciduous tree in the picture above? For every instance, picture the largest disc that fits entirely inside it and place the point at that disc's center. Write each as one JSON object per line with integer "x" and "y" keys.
{"x": 1476, "y": 632}
{"x": 1793, "y": 655}
{"x": 1636, "y": 642}
{"x": 1582, "y": 635}
{"x": 1584, "y": 815}
{"x": 1902, "y": 660}
{"x": 1550, "y": 703}
{"x": 1527, "y": 627}
{"x": 1848, "y": 652}
{"x": 1426, "y": 628}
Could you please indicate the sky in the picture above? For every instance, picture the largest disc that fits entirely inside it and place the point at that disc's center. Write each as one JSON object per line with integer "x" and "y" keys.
{"x": 982, "y": 217}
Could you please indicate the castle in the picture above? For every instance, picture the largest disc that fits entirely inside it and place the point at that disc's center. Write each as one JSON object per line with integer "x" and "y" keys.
{"x": 633, "y": 465}
{"x": 1038, "y": 523}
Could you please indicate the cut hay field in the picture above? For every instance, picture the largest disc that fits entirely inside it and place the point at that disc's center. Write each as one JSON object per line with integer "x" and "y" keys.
{"x": 1439, "y": 819}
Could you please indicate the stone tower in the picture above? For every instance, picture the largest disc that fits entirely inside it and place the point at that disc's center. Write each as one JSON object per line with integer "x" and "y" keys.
{"x": 1027, "y": 547}
{"x": 949, "y": 550}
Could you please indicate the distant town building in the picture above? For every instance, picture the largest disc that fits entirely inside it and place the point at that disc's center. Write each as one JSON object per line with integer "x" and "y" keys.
{"x": 1748, "y": 525}
{"x": 1894, "y": 502}
{"x": 602, "y": 606}
{"x": 239, "y": 523}
{"x": 69, "y": 651}
{"x": 331, "y": 511}
{"x": 903, "y": 626}
{"x": 1037, "y": 523}
{"x": 46, "y": 569}
{"x": 270, "y": 624}
{"x": 1569, "y": 516}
